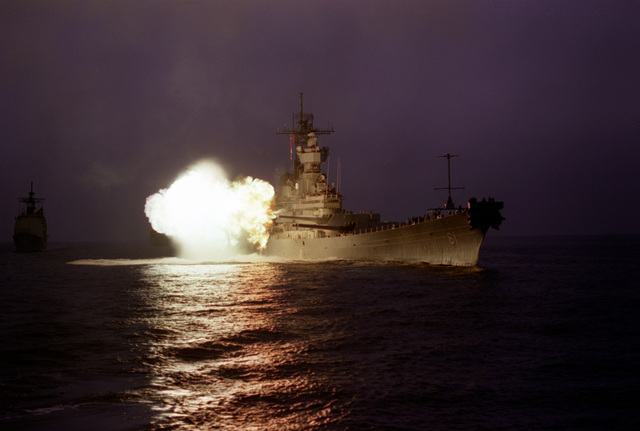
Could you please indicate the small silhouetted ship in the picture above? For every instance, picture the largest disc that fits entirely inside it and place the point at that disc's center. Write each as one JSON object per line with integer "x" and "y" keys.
{"x": 30, "y": 230}
{"x": 311, "y": 223}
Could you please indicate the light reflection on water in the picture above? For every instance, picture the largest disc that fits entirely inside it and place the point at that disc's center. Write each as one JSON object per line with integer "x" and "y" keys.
{"x": 218, "y": 357}
{"x": 169, "y": 344}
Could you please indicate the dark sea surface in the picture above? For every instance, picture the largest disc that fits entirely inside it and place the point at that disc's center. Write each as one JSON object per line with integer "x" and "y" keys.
{"x": 545, "y": 335}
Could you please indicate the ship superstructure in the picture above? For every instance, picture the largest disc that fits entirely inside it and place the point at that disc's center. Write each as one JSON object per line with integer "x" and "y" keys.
{"x": 311, "y": 223}
{"x": 30, "y": 230}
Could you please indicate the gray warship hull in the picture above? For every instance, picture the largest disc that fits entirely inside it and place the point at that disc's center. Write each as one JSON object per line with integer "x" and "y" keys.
{"x": 445, "y": 241}
{"x": 310, "y": 222}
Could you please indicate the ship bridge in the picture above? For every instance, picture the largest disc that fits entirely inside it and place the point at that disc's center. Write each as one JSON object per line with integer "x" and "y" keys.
{"x": 306, "y": 190}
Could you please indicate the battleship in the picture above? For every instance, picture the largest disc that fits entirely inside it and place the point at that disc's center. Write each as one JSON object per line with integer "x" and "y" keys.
{"x": 30, "y": 230}
{"x": 310, "y": 222}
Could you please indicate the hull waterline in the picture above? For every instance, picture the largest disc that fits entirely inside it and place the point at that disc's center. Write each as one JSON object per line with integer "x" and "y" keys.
{"x": 445, "y": 241}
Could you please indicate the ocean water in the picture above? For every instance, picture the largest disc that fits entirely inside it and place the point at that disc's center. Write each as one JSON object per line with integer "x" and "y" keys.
{"x": 543, "y": 336}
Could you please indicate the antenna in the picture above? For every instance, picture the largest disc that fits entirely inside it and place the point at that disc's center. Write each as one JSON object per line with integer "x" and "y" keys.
{"x": 305, "y": 126}
{"x": 301, "y": 113}
{"x": 449, "y": 205}
{"x": 326, "y": 189}
{"x": 339, "y": 177}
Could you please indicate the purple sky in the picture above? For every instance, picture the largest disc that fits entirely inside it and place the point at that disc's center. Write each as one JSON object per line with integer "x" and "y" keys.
{"x": 104, "y": 103}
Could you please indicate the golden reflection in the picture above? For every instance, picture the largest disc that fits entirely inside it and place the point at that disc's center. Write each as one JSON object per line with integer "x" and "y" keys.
{"x": 217, "y": 353}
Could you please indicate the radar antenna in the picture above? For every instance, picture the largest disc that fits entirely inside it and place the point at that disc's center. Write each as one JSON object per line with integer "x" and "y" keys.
{"x": 304, "y": 126}
{"x": 299, "y": 134}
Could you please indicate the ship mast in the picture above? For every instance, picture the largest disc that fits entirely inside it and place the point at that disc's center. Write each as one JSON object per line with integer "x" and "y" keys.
{"x": 449, "y": 205}
{"x": 300, "y": 133}
{"x": 31, "y": 201}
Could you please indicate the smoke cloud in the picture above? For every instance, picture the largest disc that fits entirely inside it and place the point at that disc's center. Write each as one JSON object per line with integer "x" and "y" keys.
{"x": 210, "y": 217}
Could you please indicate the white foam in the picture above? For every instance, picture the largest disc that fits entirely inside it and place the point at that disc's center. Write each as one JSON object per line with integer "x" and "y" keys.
{"x": 237, "y": 259}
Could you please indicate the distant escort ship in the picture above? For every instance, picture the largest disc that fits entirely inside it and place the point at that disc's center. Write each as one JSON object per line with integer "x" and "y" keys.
{"x": 30, "y": 230}
{"x": 311, "y": 223}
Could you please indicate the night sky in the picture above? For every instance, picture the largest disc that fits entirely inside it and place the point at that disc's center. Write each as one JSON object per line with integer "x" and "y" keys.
{"x": 104, "y": 103}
